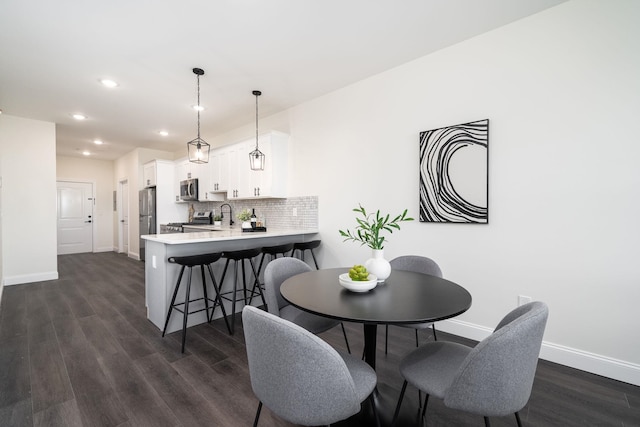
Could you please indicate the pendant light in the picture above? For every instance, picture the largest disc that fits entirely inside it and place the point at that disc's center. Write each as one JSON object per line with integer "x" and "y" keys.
{"x": 256, "y": 157}
{"x": 197, "y": 148}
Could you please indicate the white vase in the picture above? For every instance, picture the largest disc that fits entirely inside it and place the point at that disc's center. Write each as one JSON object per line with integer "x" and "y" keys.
{"x": 378, "y": 265}
{"x": 246, "y": 224}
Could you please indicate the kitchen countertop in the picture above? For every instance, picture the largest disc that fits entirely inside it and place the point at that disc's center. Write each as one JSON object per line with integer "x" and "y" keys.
{"x": 221, "y": 234}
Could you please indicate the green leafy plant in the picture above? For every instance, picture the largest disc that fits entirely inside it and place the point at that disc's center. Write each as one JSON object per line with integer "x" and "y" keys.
{"x": 371, "y": 225}
{"x": 217, "y": 218}
{"x": 244, "y": 215}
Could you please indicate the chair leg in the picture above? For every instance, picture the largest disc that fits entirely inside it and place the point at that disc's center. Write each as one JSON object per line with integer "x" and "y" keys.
{"x": 186, "y": 309}
{"x": 417, "y": 338}
{"x": 204, "y": 291}
{"x": 395, "y": 414}
{"x": 314, "y": 259}
{"x": 486, "y": 422}
{"x": 374, "y": 409}
{"x": 218, "y": 300}
{"x": 386, "y": 337}
{"x": 345, "y": 337}
{"x": 257, "y": 284}
{"x": 424, "y": 408}
{"x": 173, "y": 300}
{"x": 518, "y": 419}
{"x": 433, "y": 327}
{"x": 255, "y": 421}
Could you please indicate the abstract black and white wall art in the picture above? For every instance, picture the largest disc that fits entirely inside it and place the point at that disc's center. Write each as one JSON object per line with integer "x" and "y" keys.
{"x": 454, "y": 167}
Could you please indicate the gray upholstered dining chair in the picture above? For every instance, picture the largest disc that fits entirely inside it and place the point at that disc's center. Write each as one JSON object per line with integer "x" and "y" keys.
{"x": 419, "y": 264}
{"x": 494, "y": 378}
{"x": 278, "y": 271}
{"x": 300, "y": 377}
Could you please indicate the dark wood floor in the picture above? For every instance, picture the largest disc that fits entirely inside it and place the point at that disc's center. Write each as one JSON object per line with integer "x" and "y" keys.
{"x": 79, "y": 351}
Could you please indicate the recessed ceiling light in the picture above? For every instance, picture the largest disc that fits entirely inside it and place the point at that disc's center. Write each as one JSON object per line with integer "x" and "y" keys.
{"x": 79, "y": 116}
{"x": 108, "y": 83}
{"x": 164, "y": 133}
{"x": 97, "y": 142}
{"x": 197, "y": 107}
{"x": 85, "y": 153}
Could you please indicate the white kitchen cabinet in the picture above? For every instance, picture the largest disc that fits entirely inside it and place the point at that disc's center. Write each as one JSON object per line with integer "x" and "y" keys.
{"x": 164, "y": 180}
{"x": 245, "y": 183}
{"x": 219, "y": 169}
{"x": 149, "y": 174}
{"x": 202, "y": 171}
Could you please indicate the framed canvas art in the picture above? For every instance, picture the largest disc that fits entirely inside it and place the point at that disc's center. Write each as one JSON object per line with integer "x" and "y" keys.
{"x": 454, "y": 174}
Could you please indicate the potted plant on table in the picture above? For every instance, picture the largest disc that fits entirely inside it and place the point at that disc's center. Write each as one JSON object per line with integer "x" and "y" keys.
{"x": 369, "y": 232}
{"x": 217, "y": 220}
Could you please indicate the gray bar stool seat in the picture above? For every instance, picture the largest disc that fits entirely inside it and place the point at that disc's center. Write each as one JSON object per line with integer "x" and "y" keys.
{"x": 247, "y": 296}
{"x": 304, "y": 246}
{"x": 195, "y": 261}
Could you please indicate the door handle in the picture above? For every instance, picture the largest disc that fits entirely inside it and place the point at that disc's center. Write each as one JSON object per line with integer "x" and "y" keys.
{"x": 87, "y": 221}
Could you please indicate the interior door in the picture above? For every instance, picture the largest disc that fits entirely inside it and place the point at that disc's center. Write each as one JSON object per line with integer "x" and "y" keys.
{"x": 124, "y": 221}
{"x": 75, "y": 217}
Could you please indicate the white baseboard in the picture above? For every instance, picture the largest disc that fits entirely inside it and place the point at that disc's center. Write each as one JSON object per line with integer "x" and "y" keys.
{"x": 594, "y": 363}
{"x": 103, "y": 249}
{"x": 30, "y": 278}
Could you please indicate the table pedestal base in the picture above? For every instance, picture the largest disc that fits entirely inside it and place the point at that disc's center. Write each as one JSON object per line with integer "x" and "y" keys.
{"x": 386, "y": 398}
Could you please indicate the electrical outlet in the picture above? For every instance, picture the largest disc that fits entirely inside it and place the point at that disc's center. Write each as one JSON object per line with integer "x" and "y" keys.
{"x": 295, "y": 212}
{"x": 523, "y": 299}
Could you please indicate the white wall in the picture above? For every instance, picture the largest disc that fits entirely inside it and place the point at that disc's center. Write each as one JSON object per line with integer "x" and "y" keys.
{"x": 129, "y": 167}
{"x": 99, "y": 173}
{"x": 561, "y": 90}
{"x": 27, "y": 157}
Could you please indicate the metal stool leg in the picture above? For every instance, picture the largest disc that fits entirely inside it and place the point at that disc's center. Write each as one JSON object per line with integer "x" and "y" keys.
{"x": 173, "y": 300}
{"x": 314, "y": 259}
{"x": 186, "y": 309}
{"x": 218, "y": 300}
{"x": 204, "y": 292}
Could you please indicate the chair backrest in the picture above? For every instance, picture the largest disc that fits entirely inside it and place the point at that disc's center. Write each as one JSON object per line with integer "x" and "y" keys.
{"x": 297, "y": 375}
{"x": 496, "y": 377}
{"x": 419, "y": 264}
{"x": 277, "y": 271}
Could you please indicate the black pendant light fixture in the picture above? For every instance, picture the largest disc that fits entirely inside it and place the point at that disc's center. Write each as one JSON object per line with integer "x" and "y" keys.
{"x": 256, "y": 157}
{"x": 197, "y": 148}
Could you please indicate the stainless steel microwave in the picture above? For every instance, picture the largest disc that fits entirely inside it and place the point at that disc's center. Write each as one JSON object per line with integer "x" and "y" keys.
{"x": 189, "y": 189}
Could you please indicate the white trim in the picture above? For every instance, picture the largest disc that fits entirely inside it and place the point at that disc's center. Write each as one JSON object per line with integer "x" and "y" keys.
{"x": 30, "y": 278}
{"x": 594, "y": 363}
{"x": 104, "y": 249}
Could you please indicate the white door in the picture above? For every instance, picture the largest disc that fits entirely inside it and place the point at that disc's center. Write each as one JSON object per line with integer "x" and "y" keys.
{"x": 124, "y": 216}
{"x": 75, "y": 217}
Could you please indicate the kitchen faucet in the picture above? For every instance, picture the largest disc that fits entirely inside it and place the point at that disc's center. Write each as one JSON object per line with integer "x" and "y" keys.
{"x": 230, "y": 213}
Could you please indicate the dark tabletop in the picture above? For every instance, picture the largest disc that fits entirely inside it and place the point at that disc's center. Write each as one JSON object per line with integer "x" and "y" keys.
{"x": 405, "y": 297}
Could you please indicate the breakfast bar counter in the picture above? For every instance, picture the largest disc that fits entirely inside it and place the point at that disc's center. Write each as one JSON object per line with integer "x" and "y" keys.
{"x": 161, "y": 275}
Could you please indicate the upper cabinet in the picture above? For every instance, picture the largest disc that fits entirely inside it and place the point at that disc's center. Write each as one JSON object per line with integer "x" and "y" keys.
{"x": 149, "y": 174}
{"x": 228, "y": 171}
{"x": 245, "y": 183}
{"x": 219, "y": 169}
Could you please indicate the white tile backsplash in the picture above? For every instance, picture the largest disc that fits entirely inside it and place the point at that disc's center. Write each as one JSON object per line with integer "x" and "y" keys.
{"x": 291, "y": 213}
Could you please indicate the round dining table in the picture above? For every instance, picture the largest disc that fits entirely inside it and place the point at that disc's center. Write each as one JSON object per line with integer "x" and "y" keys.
{"x": 405, "y": 297}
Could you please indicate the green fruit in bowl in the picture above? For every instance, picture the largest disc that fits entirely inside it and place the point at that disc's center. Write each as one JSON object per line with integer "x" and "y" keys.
{"x": 358, "y": 273}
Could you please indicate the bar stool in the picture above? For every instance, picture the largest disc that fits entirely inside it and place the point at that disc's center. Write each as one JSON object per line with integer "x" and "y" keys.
{"x": 194, "y": 261}
{"x": 241, "y": 256}
{"x": 273, "y": 252}
{"x": 303, "y": 246}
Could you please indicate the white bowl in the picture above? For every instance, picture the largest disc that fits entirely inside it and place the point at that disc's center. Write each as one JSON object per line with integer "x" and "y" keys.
{"x": 358, "y": 286}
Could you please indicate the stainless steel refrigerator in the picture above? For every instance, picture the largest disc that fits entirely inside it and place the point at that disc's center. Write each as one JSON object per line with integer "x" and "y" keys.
{"x": 147, "y": 198}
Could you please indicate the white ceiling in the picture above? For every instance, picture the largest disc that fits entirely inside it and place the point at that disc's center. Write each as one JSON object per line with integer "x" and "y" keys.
{"x": 53, "y": 53}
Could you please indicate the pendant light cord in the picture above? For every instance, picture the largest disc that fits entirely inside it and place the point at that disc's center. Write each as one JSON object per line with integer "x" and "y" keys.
{"x": 257, "y": 93}
{"x": 198, "y": 78}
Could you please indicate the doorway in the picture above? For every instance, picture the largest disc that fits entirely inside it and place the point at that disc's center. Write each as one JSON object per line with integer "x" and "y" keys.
{"x": 75, "y": 217}
{"x": 123, "y": 217}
